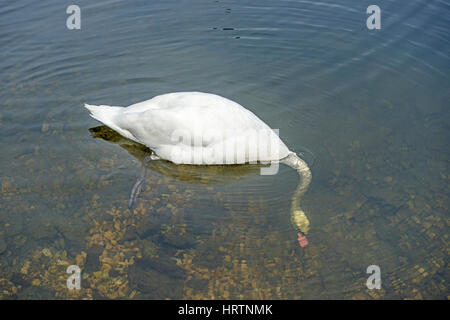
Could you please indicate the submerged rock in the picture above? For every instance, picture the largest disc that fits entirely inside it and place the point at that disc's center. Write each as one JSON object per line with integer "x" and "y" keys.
{"x": 154, "y": 284}
{"x": 3, "y": 245}
{"x": 179, "y": 241}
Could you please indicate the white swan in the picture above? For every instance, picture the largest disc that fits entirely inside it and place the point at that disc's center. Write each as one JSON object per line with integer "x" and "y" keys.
{"x": 204, "y": 129}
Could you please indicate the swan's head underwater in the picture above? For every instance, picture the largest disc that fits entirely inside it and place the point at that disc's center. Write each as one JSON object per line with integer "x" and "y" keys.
{"x": 152, "y": 123}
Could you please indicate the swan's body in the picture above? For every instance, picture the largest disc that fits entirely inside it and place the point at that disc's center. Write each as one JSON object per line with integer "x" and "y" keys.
{"x": 195, "y": 128}
{"x": 204, "y": 128}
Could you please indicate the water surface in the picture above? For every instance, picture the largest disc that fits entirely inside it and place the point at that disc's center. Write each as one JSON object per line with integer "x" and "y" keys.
{"x": 370, "y": 106}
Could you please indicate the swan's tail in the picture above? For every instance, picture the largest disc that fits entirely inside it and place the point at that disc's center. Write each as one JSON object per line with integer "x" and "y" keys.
{"x": 105, "y": 114}
{"x": 111, "y": 117}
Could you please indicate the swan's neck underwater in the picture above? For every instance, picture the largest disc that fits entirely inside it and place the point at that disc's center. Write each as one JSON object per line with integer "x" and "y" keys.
{"x": 298, "y": 216}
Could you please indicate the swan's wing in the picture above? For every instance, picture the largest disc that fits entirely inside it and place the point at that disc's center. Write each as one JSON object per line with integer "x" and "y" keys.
{"x": 194, "y": 121}
{"x": 188, "y": 125}
{"x": 175, "y": 99}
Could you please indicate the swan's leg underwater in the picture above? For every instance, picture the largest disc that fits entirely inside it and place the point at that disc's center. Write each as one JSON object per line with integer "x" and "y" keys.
{"x": 298, "y": 217}
{"x": 137, "y": 188}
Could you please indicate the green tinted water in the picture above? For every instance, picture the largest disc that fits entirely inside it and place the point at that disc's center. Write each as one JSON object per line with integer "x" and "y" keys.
{"x": 371, "y": 107}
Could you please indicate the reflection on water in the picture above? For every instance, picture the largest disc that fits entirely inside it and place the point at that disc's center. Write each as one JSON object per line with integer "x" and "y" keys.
{"x": 372, "y": 106}
{"x": 188, "y": 173}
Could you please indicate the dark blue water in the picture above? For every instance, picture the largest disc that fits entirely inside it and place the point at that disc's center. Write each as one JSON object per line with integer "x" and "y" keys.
{"x": 370, "y": 107}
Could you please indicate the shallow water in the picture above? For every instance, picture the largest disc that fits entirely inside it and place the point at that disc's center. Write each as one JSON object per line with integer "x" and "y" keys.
{"x": 370, "y": 105}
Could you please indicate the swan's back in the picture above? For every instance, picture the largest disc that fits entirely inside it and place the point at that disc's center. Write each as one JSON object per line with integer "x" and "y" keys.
{"x": 197, "y": 111}
{"x": 195, "y": 128}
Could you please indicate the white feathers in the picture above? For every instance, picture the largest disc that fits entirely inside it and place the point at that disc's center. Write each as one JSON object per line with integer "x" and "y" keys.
{"x": 195, "y": 128}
